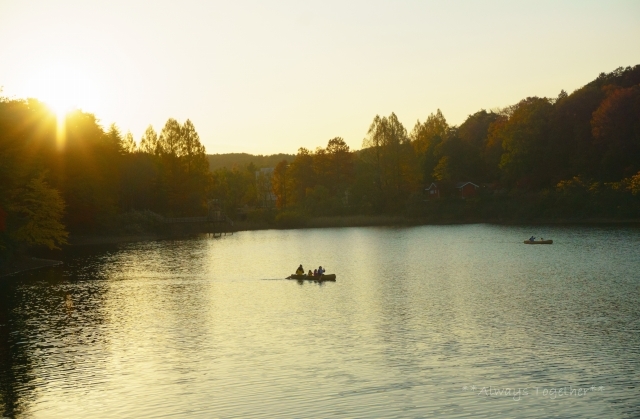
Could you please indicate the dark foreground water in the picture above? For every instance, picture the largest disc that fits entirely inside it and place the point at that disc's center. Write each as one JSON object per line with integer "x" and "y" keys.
{"x": 447, "y": 321}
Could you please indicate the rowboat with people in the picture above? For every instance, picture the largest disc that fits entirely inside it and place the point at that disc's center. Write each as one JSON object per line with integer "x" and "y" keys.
{"x": 315, "y": 275}
{"x": 324, "y": 277}
{"x": 538, "y": 241}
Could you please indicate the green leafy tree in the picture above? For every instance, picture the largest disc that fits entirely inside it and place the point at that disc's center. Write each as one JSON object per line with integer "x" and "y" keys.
{"x": 303, "y": 175}
{"x": 425, "y": 136}
{"x": 169, "y": 141}
{"x": 114, "y": 141}
{"x": 169, "y": 146}
{"x": 139, "y": 182}
{"x": 235, "y": 188}
{"x": 390, "y": 157}
{"x": 149, "y": 141}
{"x": 524, "y": 136}
{"x": 88, "y": 172}
{"x": 128, "y": 143}
{"x": 480, "y": 158}
{"x": 196, "y": 169}
{"x": 442, "y": 171}
{"x": 340, "y": 165}
{"x": 192, "y": 150}
{"x": 280, "y": 183}
{"x": 264, "y": 192}
{"x": 39, "y": 211}
{"x": 425, "y": 139}
{"x": 634, "y": 184}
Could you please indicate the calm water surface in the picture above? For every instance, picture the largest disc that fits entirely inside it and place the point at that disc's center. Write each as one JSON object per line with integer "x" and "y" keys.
{"x": 446, "y": 321}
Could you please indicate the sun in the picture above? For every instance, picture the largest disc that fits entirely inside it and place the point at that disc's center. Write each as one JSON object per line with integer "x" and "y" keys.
{"x": 62, "y": 87}
{"x": 60, "y": 102}
{"x": 59, "y": 89}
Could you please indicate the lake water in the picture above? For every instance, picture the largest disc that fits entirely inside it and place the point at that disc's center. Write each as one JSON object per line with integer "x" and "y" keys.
{"x": 434, "y": 321}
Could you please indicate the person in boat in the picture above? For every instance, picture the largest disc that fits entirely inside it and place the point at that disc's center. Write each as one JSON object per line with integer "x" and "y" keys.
{"x": 300, "y": 270}
{"x": 532, "y": 238}
{"x": 315, "y": 272}
{"x": 321, "y": 271}
{"x": 310, "y": 273}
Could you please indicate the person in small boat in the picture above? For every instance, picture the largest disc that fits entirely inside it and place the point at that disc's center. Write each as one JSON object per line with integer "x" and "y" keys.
{"x": 310, "y": 273}
{"x": 300, "y": 270}
{"x": 532, "y": 238}
{"x": 315, "y": 272}
{"x": 321, "y": 271}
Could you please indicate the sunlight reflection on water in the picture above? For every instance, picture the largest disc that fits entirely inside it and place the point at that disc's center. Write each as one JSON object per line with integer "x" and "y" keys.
{"x": 422, "y": 322}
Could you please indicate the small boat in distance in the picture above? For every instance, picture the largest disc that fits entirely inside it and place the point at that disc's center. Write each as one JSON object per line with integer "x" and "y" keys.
{"x": 538, "y": 242}
{"x": 325, "y": 277}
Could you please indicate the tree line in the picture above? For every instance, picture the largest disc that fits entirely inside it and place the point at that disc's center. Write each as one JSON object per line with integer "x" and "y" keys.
{"x": 57, "y": 176}
{"x": 574, "y": 155}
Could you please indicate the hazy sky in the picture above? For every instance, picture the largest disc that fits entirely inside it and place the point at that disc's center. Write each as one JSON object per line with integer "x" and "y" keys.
{"x": 272, "y": 76}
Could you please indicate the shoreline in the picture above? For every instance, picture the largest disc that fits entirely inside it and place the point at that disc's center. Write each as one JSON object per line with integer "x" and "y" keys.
{"x": 331, "y": 222}
{"x": 27, "y": 264}
{"x": 98, "y": 239}
{"x": 80, "y": 240}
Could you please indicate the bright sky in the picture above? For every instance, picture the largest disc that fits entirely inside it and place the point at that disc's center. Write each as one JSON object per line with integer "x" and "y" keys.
{"x": 265, "y": 77}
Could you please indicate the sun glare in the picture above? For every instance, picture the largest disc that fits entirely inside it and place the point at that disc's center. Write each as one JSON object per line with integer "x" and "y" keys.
{"x": 59, "y": 92}
{"x": 62, "y": 88}
{"x": 61, "y": 105}
{"x": 60, "y": 99}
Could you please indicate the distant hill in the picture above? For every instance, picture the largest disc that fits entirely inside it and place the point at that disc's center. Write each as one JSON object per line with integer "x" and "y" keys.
{"x": 229, "y": 160}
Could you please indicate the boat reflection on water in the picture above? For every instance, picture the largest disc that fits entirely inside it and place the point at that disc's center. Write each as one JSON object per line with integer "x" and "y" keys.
{"x": 319, "y": 278}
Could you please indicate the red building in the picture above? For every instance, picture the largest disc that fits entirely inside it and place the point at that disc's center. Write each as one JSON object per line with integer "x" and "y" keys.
{"x": 467, "y": 189}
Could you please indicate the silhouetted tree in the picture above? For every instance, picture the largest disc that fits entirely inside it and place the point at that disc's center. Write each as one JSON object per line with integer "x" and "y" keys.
{"x": 149, "y": 142}
{"x": 480, "y": 159}
{"x": 280, "y": 184}
{"x": 303, "y": 175}
{"x": 128, "y": 143}
{"x": 390, "y": 156}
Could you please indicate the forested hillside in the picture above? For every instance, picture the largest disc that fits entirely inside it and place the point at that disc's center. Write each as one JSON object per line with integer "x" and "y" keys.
{"x": 575, "y": 156}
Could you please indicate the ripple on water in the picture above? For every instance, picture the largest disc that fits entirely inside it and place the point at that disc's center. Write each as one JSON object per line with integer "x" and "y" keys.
{"x": 442, "y": 321}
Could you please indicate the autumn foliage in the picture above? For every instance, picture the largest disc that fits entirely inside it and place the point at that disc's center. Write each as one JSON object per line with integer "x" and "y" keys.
{"x": 572, "y": 156}
{"x": 531, "y": 149}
